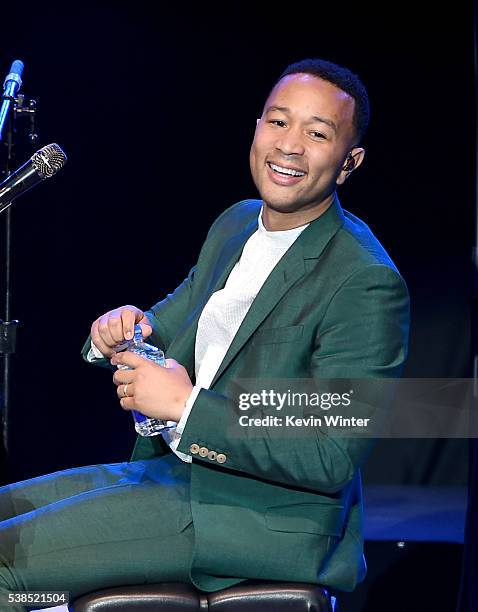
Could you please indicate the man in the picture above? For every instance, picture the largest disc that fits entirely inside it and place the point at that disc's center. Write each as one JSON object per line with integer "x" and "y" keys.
{"x": 286, "y": 287}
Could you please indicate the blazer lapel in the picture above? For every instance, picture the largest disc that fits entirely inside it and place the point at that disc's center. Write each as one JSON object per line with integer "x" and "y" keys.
{"x": 309, "y": 245}
{"x": 291, "y": 267}
{"x": 280, "y": 280}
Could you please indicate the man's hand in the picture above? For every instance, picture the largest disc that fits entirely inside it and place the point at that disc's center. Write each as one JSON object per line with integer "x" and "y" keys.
{"x": 116, "y": 326}
{"x": 156, "y": 391}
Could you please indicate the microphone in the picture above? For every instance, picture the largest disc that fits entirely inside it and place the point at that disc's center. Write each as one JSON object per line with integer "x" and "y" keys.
{"x": 11, "y": 85}
{"x": 44, "y": 163}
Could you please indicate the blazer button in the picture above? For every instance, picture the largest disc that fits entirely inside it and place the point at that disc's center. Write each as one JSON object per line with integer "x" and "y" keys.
{"x": 194, "y": 449}
{"x": 221, "y": 458}
{"x": 203, "y": 451}
{"x": 212, "y": 455}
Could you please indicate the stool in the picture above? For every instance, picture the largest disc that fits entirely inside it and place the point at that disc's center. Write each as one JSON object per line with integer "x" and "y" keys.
{"x": 250, "y": 596}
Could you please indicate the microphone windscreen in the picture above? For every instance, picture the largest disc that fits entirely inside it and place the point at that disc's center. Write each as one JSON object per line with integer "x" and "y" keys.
{"x": 48, "y": 160}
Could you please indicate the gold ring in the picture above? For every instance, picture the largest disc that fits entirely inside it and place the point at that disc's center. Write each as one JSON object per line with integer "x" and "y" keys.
{"x": 125, "y": 390}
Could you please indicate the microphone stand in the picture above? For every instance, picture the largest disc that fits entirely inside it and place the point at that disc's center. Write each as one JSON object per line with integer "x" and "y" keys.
{"x": 8, "y": 327}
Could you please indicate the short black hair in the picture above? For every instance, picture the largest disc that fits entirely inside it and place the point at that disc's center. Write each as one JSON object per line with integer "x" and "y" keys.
{"x": 342, "y": 78}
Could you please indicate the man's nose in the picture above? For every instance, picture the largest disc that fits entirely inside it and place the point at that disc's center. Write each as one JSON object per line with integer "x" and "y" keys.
{"x": 290, "y": 142}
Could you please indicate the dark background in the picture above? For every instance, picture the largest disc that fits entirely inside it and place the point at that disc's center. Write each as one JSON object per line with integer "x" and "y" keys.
{"x": 156, "y": 109}
{"x": 155, "y": 105}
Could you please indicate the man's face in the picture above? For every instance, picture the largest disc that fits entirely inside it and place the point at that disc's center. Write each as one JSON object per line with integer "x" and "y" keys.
{"x": 301, "y": 142}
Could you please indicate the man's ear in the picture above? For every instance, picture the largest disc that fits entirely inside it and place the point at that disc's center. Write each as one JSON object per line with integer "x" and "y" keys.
{"x": 257, "y": 120}
{"x": 351, "y": 163}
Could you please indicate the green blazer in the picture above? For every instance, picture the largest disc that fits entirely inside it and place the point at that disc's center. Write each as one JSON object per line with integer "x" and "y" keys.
{"x": 334, "y": 306}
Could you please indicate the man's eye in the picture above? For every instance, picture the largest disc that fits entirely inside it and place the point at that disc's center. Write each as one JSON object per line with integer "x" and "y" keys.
{"x": 278, "y": 122}
{"x": 318, "y": 135}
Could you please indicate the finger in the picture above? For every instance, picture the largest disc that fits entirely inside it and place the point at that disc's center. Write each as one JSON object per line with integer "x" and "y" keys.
{"x": 125, "y": 391}
{"x": 104, "y": 331}
{"x": 146, "y": 328}
{"x": 131, "y": 360}
{"x": 129, "y": 318}
{"x": 98, "y": 340}
{"x": 115, "y": 325}
{"x": 127, "y": 403}
{"x": 123, "y": 377}
{"x": 140, "y": 317}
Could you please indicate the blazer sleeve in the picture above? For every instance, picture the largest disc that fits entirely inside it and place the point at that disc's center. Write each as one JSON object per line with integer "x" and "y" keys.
{"x": 364, "y": 334}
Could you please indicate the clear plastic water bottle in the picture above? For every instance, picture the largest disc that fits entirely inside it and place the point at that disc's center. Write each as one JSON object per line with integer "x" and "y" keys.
{"x": 144, "y": 425}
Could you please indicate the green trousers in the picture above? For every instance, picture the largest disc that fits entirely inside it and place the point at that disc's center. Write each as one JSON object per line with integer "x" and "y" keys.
{"x": 94, "y": 527}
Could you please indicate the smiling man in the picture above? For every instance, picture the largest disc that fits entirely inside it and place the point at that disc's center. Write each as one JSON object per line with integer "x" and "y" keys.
{"x": 305, "y": 145}
{"x": 290, "y": 286}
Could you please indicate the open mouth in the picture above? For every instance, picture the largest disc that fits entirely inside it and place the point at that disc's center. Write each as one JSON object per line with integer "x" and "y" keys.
{"x": 285, "y": 171}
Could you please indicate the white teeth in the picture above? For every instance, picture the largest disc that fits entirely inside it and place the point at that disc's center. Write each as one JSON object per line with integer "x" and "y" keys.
{"x": 285, "y": 170}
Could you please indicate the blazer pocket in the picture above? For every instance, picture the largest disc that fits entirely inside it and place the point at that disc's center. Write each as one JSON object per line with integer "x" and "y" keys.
{"x": 323, "y": 519}
{"x": 273, "y": 335}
